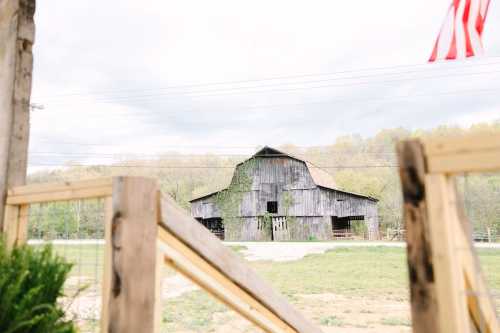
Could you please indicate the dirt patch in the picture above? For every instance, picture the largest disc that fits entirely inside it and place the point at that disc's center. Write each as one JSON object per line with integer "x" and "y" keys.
{"x": 176, "y": 285}
{"x": 333, "y": 313}
{"x": 356, "y": 314}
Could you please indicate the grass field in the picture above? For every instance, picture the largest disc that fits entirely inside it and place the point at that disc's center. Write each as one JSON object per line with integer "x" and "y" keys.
{"x": 361, "y": 289}
{"x": 358, "y": 289}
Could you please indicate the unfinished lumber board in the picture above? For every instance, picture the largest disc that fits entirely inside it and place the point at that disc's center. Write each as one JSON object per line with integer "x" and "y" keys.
{"x": 481, "y": 161}
{"x": 10, "y": 226}
{"x": 420, "y": 258}
{"x": 60, "y": 186}
{"x": 461, "y": 144}
{"x": 480, "y": 303}
{"x": 450, "y": 284}
{"x": 232, "y": 269}
{"x": 158, "y": 289}
{"x": 22, "y": 225}
{"x": 181, "y": 258}
{"x": 106, "y": 274}
{"x": 77, "y": 190}
{"x": 473, "y": 153}
{"x": 134, "y": 232}
{"x": 17, "y": 33}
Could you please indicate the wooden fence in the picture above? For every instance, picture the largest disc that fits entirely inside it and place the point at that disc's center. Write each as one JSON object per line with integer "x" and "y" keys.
{"x": 448, "y": 290}
{"x": 144, "y": 231}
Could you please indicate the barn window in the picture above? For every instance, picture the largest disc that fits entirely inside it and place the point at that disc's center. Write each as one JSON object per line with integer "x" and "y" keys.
{"x": 272, "y": 207}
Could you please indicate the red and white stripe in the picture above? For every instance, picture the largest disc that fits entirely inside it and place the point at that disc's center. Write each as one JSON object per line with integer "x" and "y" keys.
{"x": 460, "y": 34}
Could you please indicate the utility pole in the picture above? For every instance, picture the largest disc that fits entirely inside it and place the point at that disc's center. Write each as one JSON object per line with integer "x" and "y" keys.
{"x": 17, "y": 33}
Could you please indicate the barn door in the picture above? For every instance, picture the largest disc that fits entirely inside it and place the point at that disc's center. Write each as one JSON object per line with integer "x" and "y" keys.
{"x": 280, "y": 229}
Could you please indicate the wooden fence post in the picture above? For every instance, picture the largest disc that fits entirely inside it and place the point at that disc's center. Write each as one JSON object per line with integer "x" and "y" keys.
{"x": 448, "y": 291}
{"x": 15, "y": 227}
{"x": 17, "y": 31}
{"x": 424, "y": 309}
{"x": 452, "y": 314}
{"x": 106, "y": 281}
{"x": 132, "y": 280}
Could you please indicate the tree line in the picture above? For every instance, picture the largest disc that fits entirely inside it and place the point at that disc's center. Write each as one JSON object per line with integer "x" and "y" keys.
{"x": 366, "y": 165}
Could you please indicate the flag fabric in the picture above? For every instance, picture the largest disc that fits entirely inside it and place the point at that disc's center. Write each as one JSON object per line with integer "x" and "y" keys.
{"x": 460, "y": 34}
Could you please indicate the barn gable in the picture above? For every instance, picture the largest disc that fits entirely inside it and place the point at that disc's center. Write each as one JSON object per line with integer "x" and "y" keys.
{"x": 283, "y": 189}
{"x": 319, "y": 176}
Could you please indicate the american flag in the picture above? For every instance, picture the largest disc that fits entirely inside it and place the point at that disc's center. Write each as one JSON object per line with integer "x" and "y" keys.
{"x": 460, "y": 34}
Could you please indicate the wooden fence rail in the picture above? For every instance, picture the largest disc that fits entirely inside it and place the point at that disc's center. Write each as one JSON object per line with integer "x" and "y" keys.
{"x": 448, "y": 290}
{"x": 193, "y": 250}
{"x": 145, "y": 231}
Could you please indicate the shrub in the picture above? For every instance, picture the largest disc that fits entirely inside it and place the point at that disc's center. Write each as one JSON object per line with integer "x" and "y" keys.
{"x": 30, "y": 283}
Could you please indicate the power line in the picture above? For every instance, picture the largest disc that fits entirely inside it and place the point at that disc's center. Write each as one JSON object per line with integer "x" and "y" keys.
{"x": 204, "y": 155}
{"x": 194, "y": 166}
{"x": 162, "y": 146}
{"x": 221, "y": 91}
{"x": 454, "y": 65}
{"x": 256, "y": 146}
{"x": 331, "y": 101}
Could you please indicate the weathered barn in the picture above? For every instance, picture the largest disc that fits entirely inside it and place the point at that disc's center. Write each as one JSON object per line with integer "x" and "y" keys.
{"x": 275, "y": 196}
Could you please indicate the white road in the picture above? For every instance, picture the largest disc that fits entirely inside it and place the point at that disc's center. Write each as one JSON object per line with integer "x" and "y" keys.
{"x": 286, "y": 251}
{"x": 275, "y": 251}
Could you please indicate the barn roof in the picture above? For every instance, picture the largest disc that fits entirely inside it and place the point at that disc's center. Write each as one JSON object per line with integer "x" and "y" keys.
{"x": 320, "y": 177}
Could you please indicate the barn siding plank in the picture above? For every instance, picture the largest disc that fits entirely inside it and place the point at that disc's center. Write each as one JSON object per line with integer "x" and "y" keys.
{"x": 312, "y": 206}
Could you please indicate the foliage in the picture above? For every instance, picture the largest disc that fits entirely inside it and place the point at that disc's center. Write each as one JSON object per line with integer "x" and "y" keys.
{"x": 481, "y": 199}
{"x": 78, "y": 220}
{"x": 382, "y": 181}
{"x": 286, "y": 202}
{"x": 395, "y": 321}
{"x": 359, "y": 228}
{"x": 332, "y": 321}
{"x": 229, "y": 200}
{"x": 30, "y": 283}
{"x": 193, "y": 311}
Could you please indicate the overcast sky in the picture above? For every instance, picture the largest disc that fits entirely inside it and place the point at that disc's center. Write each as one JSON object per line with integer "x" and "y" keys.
{"x": 226, "y": 76}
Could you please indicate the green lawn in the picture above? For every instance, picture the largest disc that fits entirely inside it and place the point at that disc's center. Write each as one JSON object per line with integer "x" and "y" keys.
{"x": 354, "y": 275}
{"x": 378, "y": 274}
{"x": 345, "y": 270}
{"x": 350, "y": 270}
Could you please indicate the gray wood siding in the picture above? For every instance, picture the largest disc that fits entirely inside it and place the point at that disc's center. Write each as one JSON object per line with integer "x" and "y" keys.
{"x": 205, "y": 208}
{"x": 273, "y": 178}
{"x": 280, "y": 172}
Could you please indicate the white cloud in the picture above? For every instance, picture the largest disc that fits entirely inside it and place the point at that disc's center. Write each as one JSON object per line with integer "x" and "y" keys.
{"x": 122, "y": 54}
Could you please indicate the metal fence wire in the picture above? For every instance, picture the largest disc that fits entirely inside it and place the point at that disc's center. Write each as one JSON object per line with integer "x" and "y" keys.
{"x": 76, "y": 231}
{"x": 481, "y": 206}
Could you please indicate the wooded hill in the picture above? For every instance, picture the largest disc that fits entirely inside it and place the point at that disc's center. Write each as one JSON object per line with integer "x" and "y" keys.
{"x": 364, "y": 165}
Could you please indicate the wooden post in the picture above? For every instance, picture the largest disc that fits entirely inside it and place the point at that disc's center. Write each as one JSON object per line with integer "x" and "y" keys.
{"x": 133, "y": 284}
{"x": 448, "y": 291}
{"x": 15, "y": 227}
{"x": 106, "y": 280}
{"x": 453, "y": 315}
{"x": 424, "y": 309}
{"x": 17, "y": 31}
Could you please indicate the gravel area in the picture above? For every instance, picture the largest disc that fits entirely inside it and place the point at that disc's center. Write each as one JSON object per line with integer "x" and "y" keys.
{"x": 286, "y": 251}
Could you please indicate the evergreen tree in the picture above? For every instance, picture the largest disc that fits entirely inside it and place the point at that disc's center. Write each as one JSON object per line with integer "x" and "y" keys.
{"x": 30, "y": 283}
